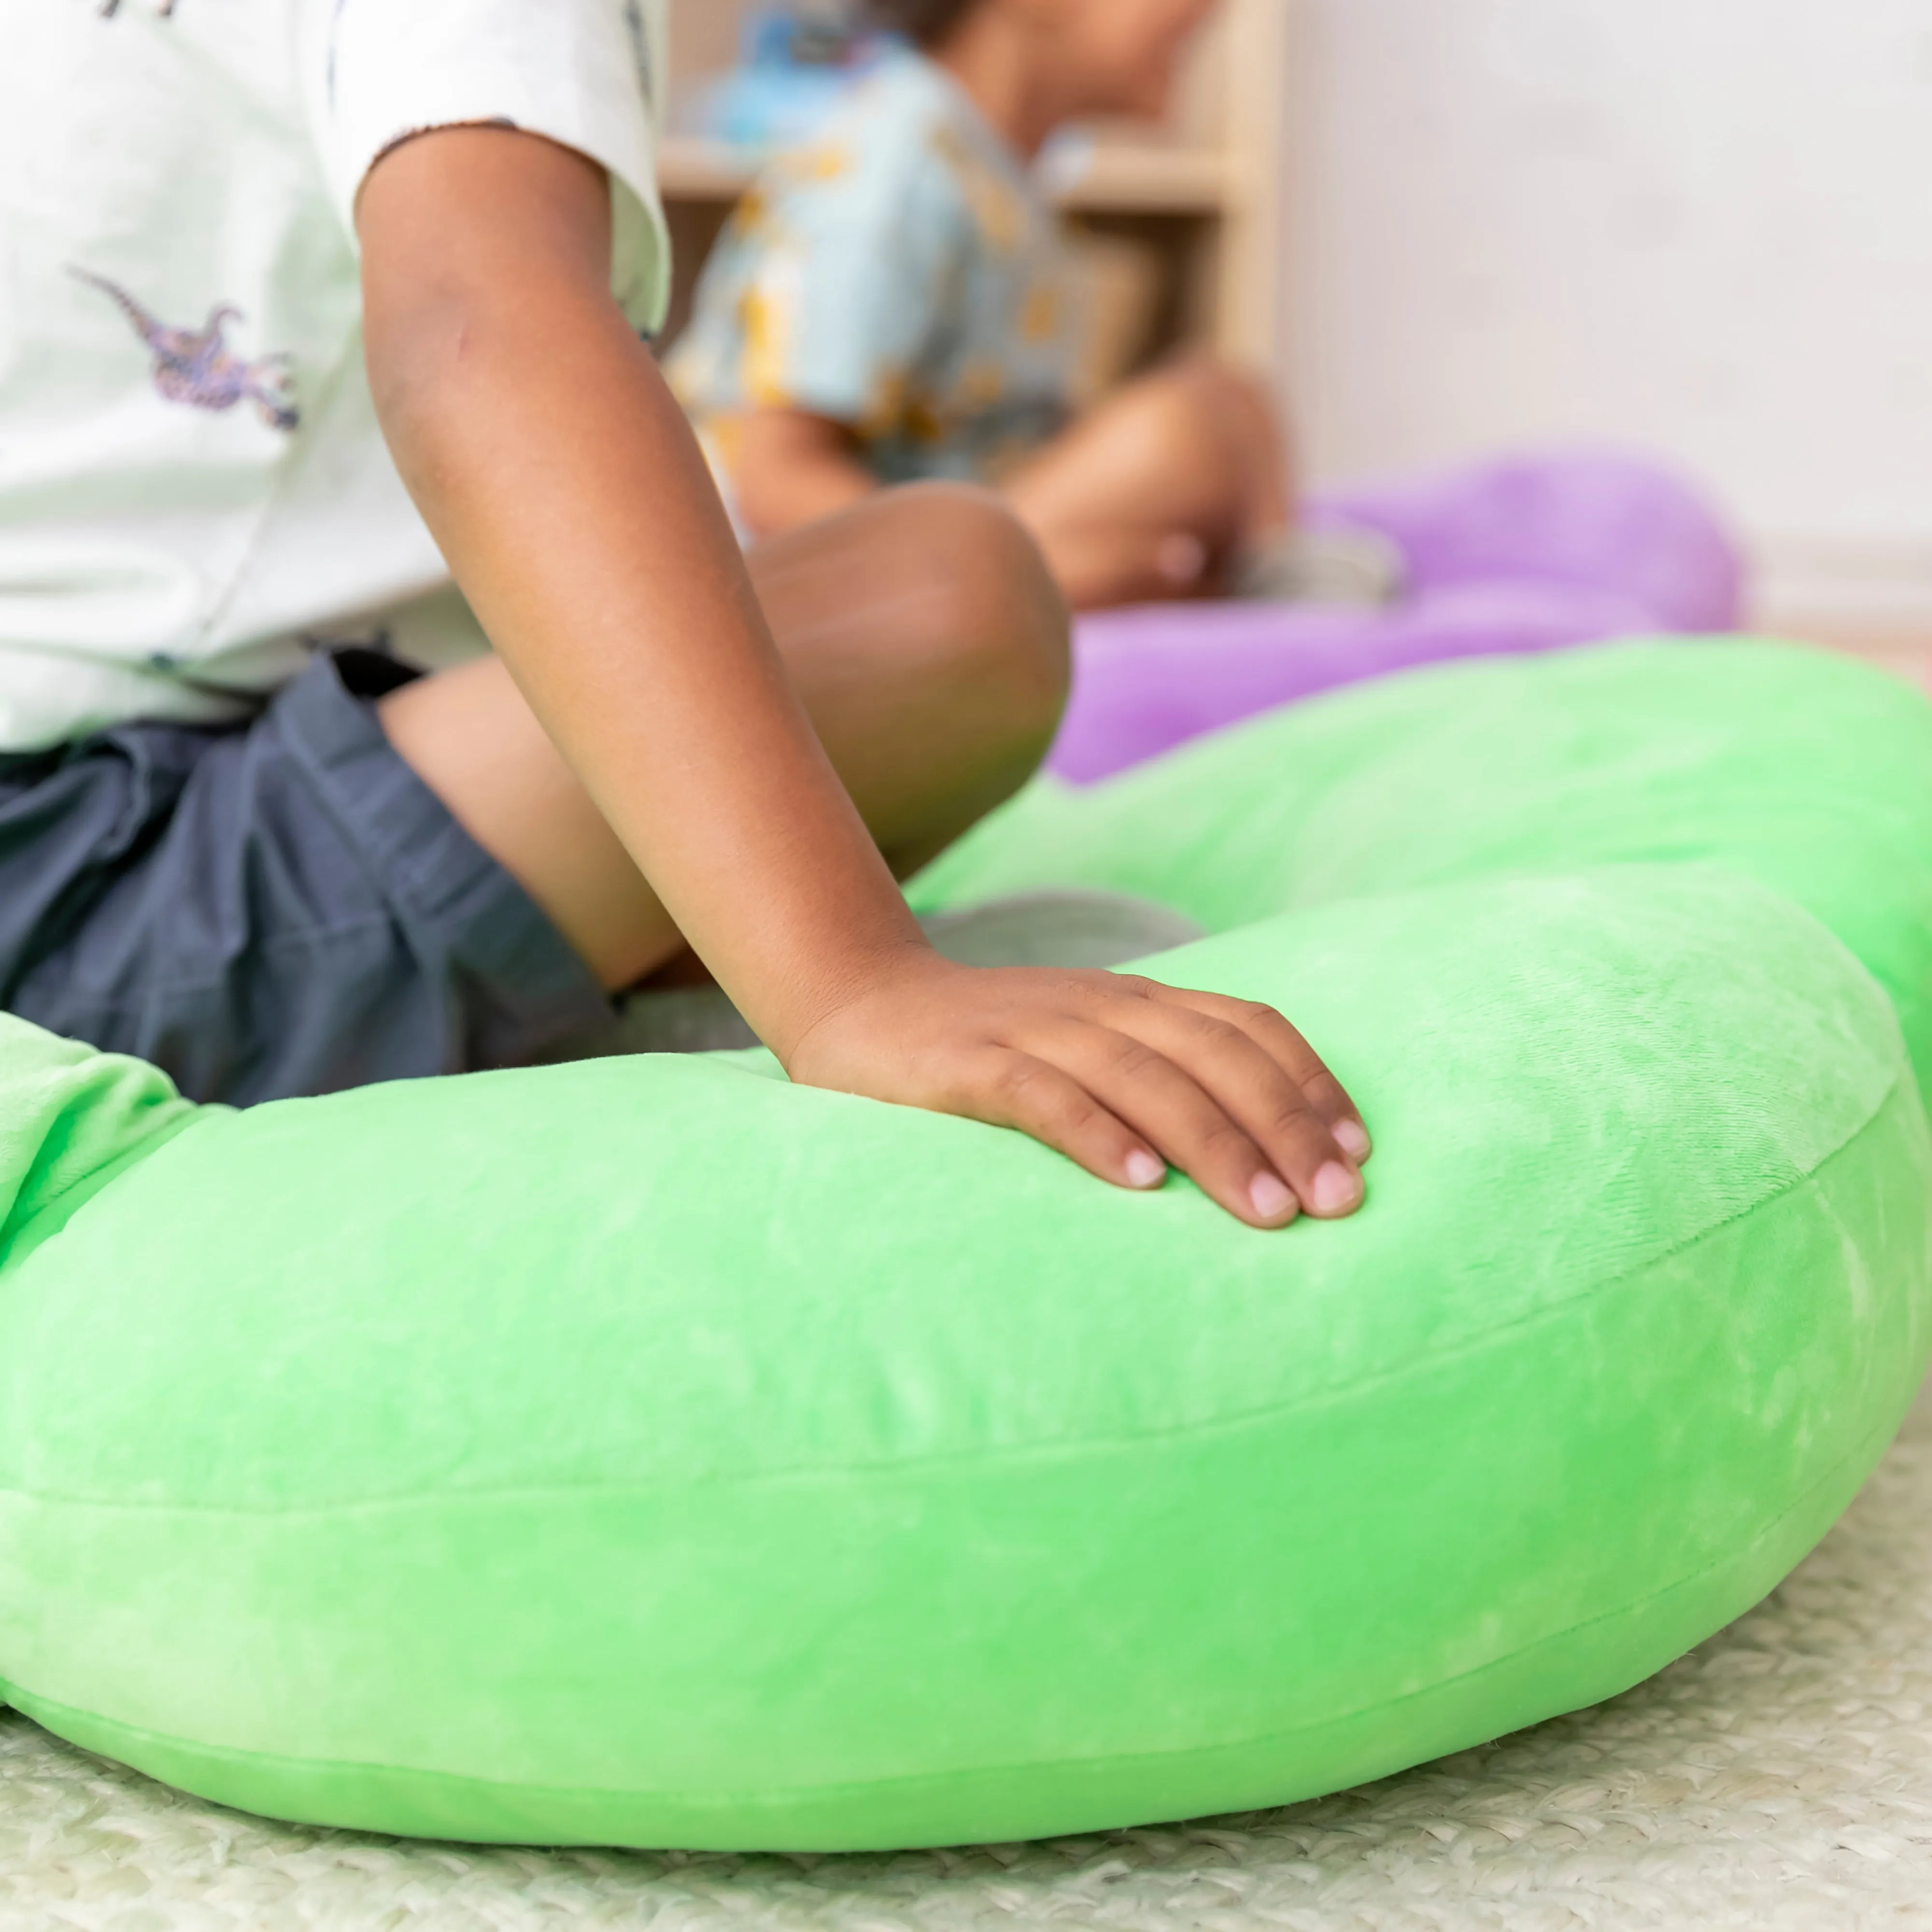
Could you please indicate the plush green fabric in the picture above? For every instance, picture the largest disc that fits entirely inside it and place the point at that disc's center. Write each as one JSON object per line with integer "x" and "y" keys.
{"x": 1810, "y": 774}
{"x": 648, "y": 1452}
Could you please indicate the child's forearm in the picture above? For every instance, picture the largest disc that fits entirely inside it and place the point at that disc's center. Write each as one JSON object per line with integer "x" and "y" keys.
{"x": 793, "y": 468}
{"x": 571, "y": 500}
{"x": 560, "y": 479}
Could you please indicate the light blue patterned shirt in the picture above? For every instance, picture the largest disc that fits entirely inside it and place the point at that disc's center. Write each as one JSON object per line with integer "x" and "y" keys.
{"x": 901, "y": 275}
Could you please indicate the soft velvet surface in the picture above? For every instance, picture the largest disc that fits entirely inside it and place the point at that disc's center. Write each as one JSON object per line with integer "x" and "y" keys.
{"x": 1529, "y": 554}
{"x": 1587, "y": 520}
{"x": 1810, "y": 774}
{"x": 650, "y": 1452}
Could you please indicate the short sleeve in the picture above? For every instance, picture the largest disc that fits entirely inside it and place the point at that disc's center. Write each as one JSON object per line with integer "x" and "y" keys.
{"x": 582, "y": 72}
{"x": 849, "y": 292}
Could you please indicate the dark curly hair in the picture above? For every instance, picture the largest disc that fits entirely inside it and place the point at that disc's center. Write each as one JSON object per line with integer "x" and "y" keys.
{"x": 928, "y": 22}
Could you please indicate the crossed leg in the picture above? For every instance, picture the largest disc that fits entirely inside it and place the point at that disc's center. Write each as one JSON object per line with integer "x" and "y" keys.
{"x": 1156, "y": 492}
{"x": 927, "y": 642}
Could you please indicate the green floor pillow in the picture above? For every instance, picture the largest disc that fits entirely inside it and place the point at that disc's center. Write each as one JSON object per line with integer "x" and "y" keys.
{"x": 1811, "y": 775}
{"x": 648, "y": 1452}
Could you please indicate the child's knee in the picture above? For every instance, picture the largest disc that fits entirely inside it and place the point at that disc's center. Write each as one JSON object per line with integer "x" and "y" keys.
{"x": 996, "y": 622}
{"x": 1196, "y": 418}
{"x": 1237, "y": 400}
{"x": 1234, "y": 412}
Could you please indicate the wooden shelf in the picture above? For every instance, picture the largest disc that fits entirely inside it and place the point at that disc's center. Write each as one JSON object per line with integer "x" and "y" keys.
{"x": 1145, "y": 178}
{"x": 1112, "y": 178}
{"x": 691, "y": 169}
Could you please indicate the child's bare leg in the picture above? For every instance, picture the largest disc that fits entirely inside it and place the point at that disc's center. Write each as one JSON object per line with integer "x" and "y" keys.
{"x": 1156, "y": 491}
{"x": 927, "y": 642}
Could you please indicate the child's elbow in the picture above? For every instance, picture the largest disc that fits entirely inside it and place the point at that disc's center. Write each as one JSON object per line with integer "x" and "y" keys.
{"x": 793, "y": 468}
{"x": 767, "y": 502}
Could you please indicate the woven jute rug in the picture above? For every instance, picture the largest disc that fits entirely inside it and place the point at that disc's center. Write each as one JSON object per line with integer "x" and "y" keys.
{"x": 1781, "y": 1776}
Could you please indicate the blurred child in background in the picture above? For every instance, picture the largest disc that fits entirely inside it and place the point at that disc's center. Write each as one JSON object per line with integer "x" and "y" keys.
{"x": 890, "y": 304}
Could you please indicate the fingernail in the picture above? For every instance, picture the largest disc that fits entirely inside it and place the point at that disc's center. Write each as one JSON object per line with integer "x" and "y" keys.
{"x": 1272, "y": 1200}
{"x": 1143, "y": 1170}
{"x": 1352, "y": 1137}
{"x": 1335, "y": 1190}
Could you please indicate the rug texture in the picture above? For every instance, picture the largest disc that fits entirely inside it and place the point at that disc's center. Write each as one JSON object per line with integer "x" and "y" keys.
{"x": 1779, "y": 1777}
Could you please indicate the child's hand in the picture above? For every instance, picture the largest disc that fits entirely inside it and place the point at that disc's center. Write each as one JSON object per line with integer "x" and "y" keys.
{"x": 563, "y": 483}
{"x": 1123, "y": 1075}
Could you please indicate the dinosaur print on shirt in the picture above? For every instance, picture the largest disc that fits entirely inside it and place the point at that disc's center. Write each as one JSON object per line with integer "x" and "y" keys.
{"x": 196, "y": 366}
{"x": 180, "y": 508}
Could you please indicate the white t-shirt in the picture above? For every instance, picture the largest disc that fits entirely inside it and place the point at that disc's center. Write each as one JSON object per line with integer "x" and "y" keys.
{"x": 194, "y": 492}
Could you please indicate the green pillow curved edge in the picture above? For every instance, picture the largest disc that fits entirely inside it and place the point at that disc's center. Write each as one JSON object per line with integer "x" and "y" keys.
{"x": 650, "y": 1452}
{"x": 1809, "y": 773}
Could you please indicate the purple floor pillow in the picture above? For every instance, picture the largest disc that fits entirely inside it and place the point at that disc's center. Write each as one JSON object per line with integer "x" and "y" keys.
{"x": 1528, "y": 555}
{"x": 1592, "y": 520}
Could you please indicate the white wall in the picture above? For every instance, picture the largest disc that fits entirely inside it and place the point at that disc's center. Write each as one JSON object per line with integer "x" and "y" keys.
{"x": 1701, "y": 226}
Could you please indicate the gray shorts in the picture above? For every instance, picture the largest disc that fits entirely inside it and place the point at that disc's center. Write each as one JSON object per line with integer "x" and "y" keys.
{"x": 278, "y": 909}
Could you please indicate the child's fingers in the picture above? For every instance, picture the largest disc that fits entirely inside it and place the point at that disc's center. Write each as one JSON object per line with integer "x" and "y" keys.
{"x": 1286, "y": 1044}
{"x": 1259, "y": 1097}
{"x": 1009, "y": 1088}
{"x": 1161, "y": 1100}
